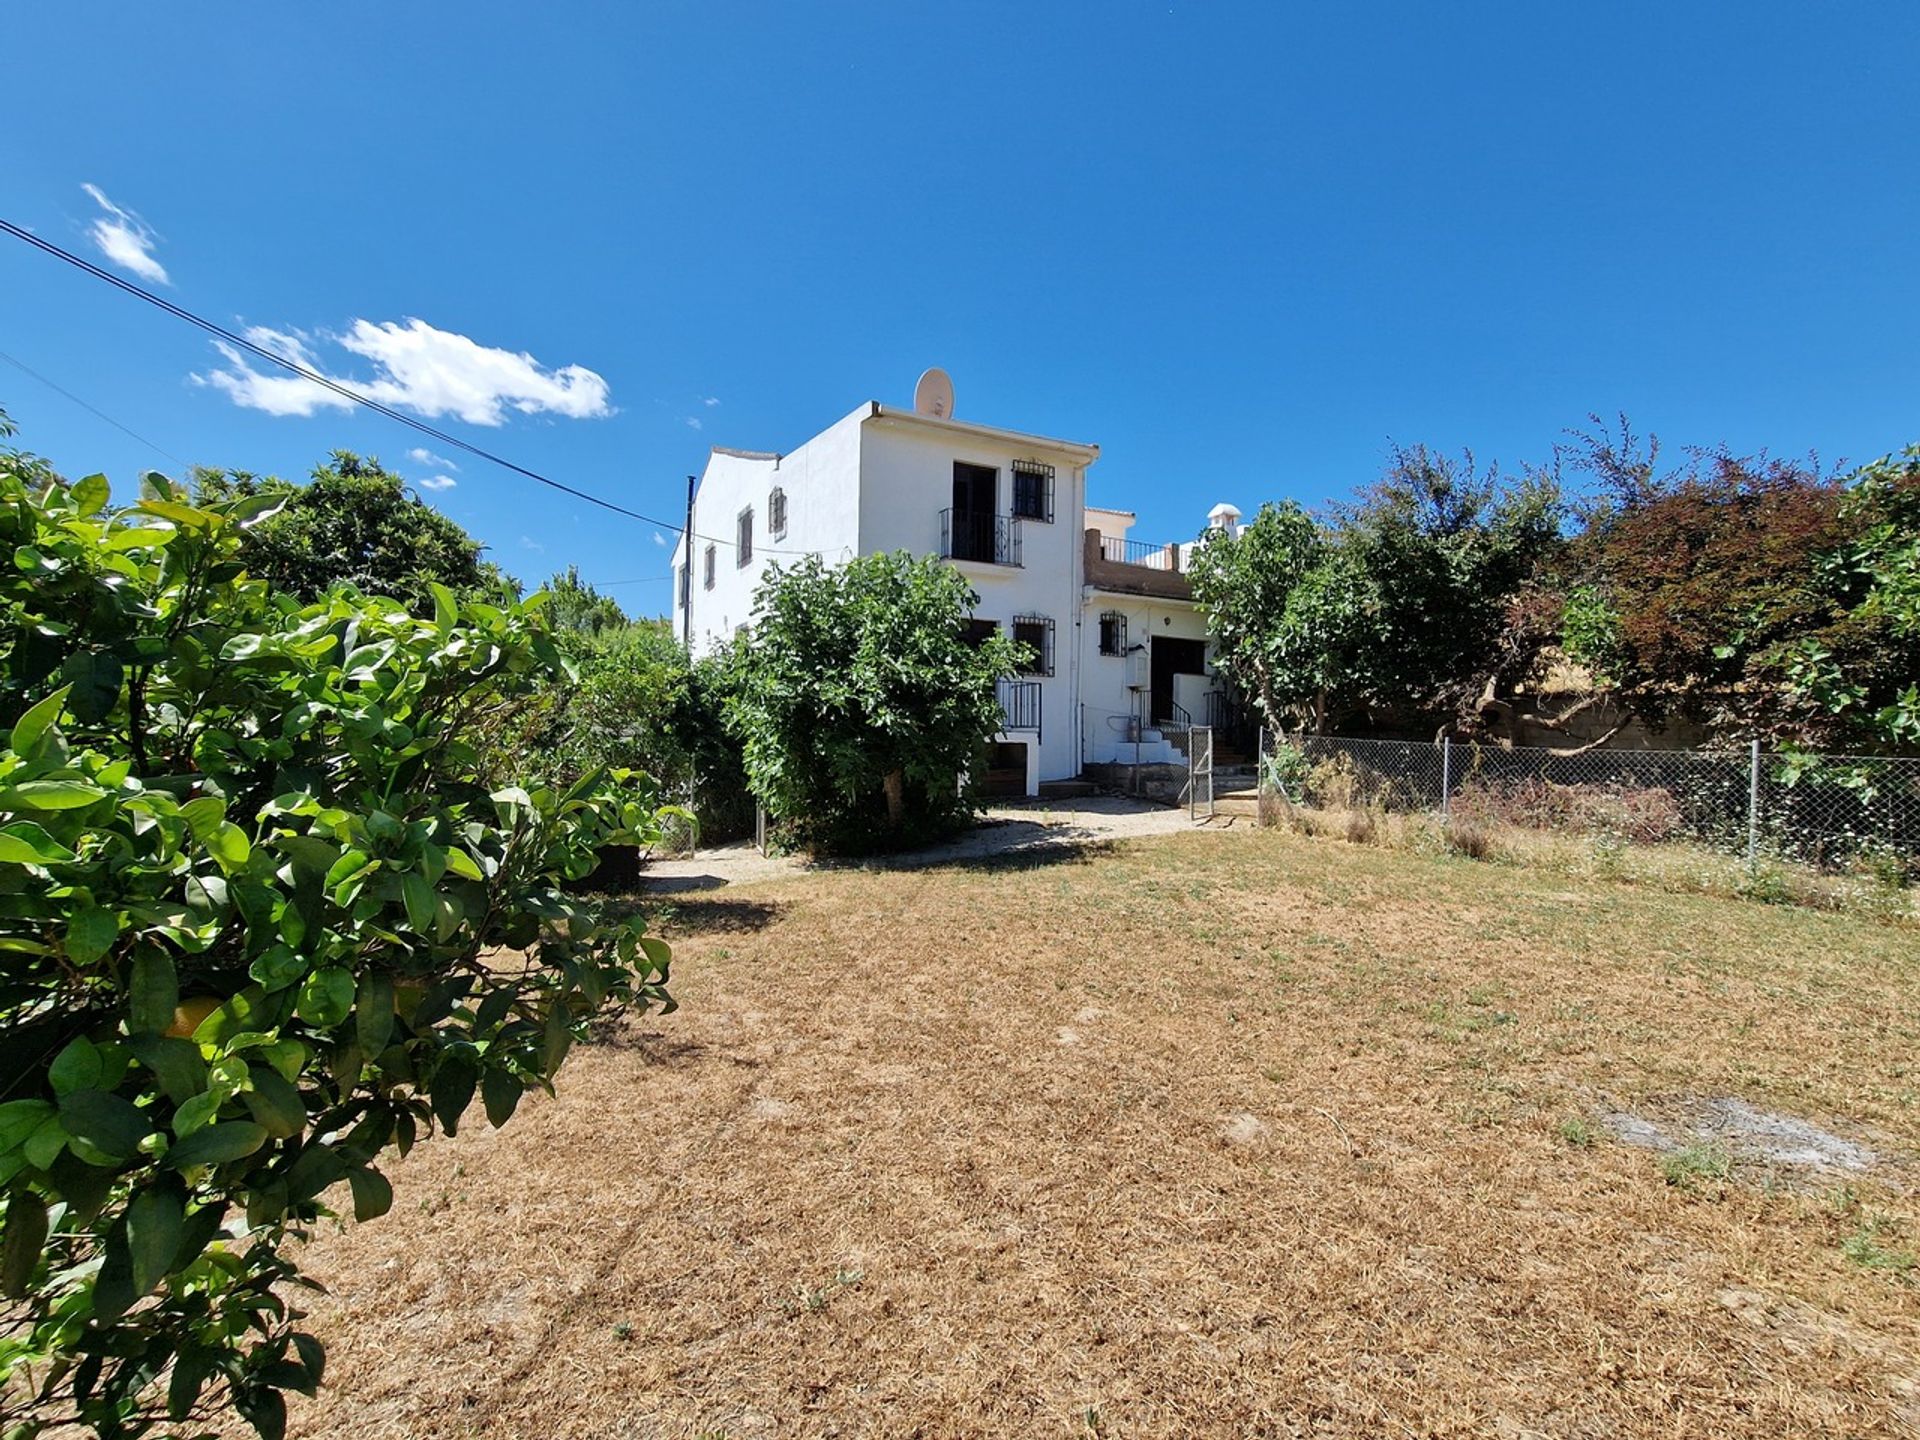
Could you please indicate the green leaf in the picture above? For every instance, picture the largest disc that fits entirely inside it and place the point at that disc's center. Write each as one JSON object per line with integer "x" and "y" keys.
{"x": 326, "y": 996}
{"x": 446, "y": 608}
{"x": 191, "y": 1371}
{"x": 373, "y": 1012}
{"x": 50, "y": 795}
{"x": 317, "y": 1168}
{"x": 460, "y": 863}
{"x": 558, "y": 1038}
{"x": 91, "y": 493}
{"x": 153, "y": 991}
{"x": 203, "y": 815}
{"x": 19, "y": 1119}
{"x": 218, "y": 1144}
{"x": 275, "y": 1103}
{"x": 43, "y": 1147}
{"x": 418, "y": 895}
{"x": 96, "y": 677}
{"x": 113, "y": 1291}
{"x": 501, "y": 1091}
{"x": 91, "y": 931}
{"x": 452, "y": 1090}
{"x": 76, "y": 1067}
{"x": 372, "y": 1195}
{"x": 277, "y": 968}
{"x": 25, "y": 843}
{"x": 112, "y": 1125}
{"x": 40, "y": 717}
{"x": 229, "y": 846}
{"x": 154, "y": 1219}
{"x": 175, "y": 1063}
{"x": 25, "y": 1238}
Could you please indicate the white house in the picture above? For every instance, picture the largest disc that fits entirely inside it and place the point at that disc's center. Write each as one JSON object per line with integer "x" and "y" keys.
{"x": 1120, "y": 649}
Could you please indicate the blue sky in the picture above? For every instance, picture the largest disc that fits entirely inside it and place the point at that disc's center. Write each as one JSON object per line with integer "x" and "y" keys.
{"x": 1244, "y": 248}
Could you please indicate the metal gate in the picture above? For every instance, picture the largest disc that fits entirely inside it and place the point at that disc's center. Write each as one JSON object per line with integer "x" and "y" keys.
{"x": 1199, "y": 771}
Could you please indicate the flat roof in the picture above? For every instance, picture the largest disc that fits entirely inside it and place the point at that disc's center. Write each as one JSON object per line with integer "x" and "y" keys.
{"x": 913, "y": 417}
{"x": 1109, "y": 510}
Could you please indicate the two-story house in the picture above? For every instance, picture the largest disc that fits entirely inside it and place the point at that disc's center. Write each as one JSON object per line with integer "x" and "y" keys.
{"x": 1119, "y": 652}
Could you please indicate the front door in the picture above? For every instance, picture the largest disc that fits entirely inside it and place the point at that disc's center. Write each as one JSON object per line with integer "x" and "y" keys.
{"x": 974, "y": 488}
{"x": 1171, "y": 657}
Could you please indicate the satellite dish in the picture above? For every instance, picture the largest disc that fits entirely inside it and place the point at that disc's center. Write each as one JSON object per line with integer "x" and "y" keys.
{"x": 933, "y": 394}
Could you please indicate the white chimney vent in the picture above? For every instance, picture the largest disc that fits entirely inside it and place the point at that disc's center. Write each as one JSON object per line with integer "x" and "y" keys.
{"x": 1224, "y": 517}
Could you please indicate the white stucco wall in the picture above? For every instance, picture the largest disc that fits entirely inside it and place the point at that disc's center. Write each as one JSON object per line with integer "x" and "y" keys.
{"x": 1105, "y": 693}
{"x": 821, "y": 480}
{"x": 907, "y": 480}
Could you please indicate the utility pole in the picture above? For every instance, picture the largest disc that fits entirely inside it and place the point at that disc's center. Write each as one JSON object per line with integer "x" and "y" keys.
{"x": 686, "y": 572}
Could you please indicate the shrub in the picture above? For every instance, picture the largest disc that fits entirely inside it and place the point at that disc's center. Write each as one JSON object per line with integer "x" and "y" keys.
{"x": 256, "y": 887}
{"x": 1642, "y": 814}
{"x": 1467, "y": 836}
{"x": 859, "y": 701}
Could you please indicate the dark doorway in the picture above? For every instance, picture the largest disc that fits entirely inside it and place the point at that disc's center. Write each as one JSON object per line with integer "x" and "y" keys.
{"x": 975, "y": 489}
{"x": 1006, "y": 770}
{"x": 1172, "y": 657}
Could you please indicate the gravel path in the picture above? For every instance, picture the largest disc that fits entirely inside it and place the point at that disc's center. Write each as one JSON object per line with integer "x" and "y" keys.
{"x": 1011, "y": 829}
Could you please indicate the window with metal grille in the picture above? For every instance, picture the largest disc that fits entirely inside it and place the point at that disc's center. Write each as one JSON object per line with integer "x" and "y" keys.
{"x": 977, "y": 632}
{"x": 1036, "y": 633}
{"x": 743, "y": 541}
{"x": 684, "y": 574}
{"x": 777, "y": 514}
{"x": 1033, "y": 490}
{"x": 1113, "y": 633}
{"x": 709, "y": 570}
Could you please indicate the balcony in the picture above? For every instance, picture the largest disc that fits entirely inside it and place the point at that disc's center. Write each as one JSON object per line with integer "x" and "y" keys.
{"x": 1135, "y": 567}
{"x": 1020, "y": 704}
{"x": 981, "y": 536}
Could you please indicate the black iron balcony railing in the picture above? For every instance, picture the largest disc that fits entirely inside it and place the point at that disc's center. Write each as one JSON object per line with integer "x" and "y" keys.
{"x": 980, "y": 535}
{"x": 1020, "y": 702}
{"x": 1139, "y": 552}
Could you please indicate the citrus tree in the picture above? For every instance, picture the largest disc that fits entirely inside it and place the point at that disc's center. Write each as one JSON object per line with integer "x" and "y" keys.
{"x": 860, "y": 702}
{"x": 266, "y": 919}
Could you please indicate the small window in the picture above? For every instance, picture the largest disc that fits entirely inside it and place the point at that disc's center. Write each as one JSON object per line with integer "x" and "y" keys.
{"x": 777, "y": 514}
{"x": 709, "y": 575}
{"x": 683, "y": 576}
{"x": 977, "y": 632}
{"x": 1113, "y": 633}
{"x": 1036, "y": 633}
{"x": 743, "y": 544}
{"x": 1033, "y": 490}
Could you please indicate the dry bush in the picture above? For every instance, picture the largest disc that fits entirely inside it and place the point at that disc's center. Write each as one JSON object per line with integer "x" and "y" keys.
{"x": 1363, "y": 826}
{"x": 1642, "y": 814}
{"x": 1467, "y": 836}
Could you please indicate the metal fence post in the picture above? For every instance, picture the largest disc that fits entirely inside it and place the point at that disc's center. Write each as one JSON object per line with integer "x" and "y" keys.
{"x": 1753, "y": 808}
{"x": 1446, "y": 775}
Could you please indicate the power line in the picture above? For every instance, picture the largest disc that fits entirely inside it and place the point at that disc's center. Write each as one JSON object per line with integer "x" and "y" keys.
{"x": 347, "y": 392}
{"x": 27, "y": 369}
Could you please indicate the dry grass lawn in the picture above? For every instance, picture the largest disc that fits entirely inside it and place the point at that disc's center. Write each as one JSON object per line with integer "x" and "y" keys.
{"x": 1247, "y": 1135}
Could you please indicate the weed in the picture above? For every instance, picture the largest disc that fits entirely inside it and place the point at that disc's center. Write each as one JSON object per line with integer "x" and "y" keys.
{"x": 623, "y": 1330}
{"x": 1468, "y": 837}
{"x": 1865, "y": 1248}
{"x": 810, "y": 1298}
{"x": 1689, "y": 1168}
{"x": 1576, "y": 1133}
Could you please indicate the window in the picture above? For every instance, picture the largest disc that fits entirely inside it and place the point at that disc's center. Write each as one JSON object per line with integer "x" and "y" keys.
{"x": 977, "y": 632}
{"x": 743, "y": 543}
{"x": 777, "y": 514}
{"x": 1036, "y": 633}
{"x": 709, "y": 574}
{"x": 1113, "y": 633}
{"x": 1033, "y": 490}
{"x": 683, "y": 574}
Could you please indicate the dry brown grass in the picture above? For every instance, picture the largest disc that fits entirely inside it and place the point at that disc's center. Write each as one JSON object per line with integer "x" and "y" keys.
{"x": 1243, "y": 1135}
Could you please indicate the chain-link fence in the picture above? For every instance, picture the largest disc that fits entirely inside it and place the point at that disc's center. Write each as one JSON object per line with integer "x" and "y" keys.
{"x": 1829, "y": 811}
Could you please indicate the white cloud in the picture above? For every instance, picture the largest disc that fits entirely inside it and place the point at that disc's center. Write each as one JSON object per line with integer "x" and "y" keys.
{"x": 438, "y": 482}
{"x": 711, "y": 400}
{"x": 533, "y": 544}
{"x": 417, "y": 367}
{"x": 659, "y": 539}
{"x": 125, "y": 239}
{"x": 694, "y": 422}
{"x": 427, "y": 457}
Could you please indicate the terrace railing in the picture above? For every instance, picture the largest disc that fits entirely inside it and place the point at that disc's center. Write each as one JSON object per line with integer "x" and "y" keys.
{"x": 980, "y": 535}
{"x": 1144, "y": 553}
{"x": 1020, "y": 704}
